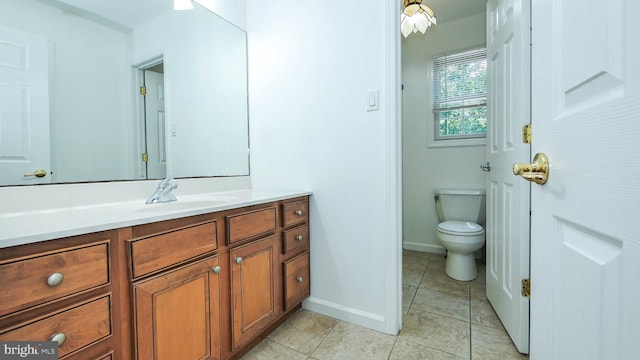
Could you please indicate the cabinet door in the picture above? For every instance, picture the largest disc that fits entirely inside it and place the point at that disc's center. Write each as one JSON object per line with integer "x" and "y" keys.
{"x": 177, "y": 313}
{"x": 253, "y": 288}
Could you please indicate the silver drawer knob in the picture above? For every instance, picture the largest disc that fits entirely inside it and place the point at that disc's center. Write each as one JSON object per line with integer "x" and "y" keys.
{"x": 299, "y": 237}
{"x": 238, "y": 260}
{"x": 299, "y": 212}
{"x": 216, "y": 269}
{"x": 300, "y": 279}
{"x": 59, "y": 337}
{"x": 55, "y": 279}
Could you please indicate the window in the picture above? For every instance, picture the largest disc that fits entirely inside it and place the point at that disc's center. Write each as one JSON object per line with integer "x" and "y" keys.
{"x": 460, "y": 95}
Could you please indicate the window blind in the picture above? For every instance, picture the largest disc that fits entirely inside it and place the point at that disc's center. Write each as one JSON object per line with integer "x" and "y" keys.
{"x": 459, "y": 80}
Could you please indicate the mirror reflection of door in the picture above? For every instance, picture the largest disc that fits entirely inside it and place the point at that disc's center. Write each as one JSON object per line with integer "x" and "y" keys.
{"x": 155, "y": 139}
{"x": 24, "y": 108}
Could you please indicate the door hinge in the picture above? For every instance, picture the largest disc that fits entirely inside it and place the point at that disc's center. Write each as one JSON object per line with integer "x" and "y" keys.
{"x": 145, "y": 157}
{"x": 526, "y": 134}
{"x": 526, "y": 288}
{"x": 143, "y": 90}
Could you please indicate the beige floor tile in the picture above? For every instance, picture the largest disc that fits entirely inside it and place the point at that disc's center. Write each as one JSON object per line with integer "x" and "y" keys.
{"x": 437, "y": 262}
{"x": 415, "y": 260}
{"x": 438, "y": 280}
{"x": 482, "y": 313}
{"x": 269, "y": 350}
{"x": 418, "y": 254}
{"x": 303, "y": 331}
{"x": 408, "y": 293}
{"x": 492, "y": 344}
{"x": 404, "y": 350}
{"x": 482, "y": 274}
{"x": 411, "y": 275}
{"x": 441, "y": 303}
{"x": 350, "y": 342}
{"x": 436, "y": 331}
{"x": 478, "y": 290}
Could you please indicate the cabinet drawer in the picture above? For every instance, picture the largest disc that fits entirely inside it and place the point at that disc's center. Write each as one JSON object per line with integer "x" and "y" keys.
{"x": 296, "y": 280}
{"x": 294, "y": 213}
{"x": 154, "y": 253}
{"x": 108, "y": 356}
{"x": 73, "y": 269}
{"x": 81, "y": 326}
{"x": 295, "y": 238}
{"x": 250, "y": 224}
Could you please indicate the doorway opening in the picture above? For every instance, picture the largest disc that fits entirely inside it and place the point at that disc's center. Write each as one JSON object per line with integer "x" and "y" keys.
{"x": 152, "y": 119}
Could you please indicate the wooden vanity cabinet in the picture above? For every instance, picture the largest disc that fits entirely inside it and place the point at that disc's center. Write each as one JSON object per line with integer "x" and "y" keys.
{"x": 295, "y": 252}
{"x": 209, "y": 286}
{"x": 254, "y": 283}
{"x": 61, "y": 289}
{"x": 177, "y": 313}
{"x": 175, "y": 289}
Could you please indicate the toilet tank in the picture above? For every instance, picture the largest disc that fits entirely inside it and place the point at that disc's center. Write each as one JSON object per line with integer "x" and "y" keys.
{"x": 460, "y": 204}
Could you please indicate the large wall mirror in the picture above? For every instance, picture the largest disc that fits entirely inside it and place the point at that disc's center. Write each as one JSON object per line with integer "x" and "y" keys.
{"x": 120, "y": 90}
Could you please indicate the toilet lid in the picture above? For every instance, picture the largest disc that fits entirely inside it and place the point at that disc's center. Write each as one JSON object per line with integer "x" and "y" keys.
{"x": 460, "y": 228}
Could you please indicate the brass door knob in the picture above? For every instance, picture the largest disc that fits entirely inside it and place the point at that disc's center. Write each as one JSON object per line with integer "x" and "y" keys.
{"x": 37, "y": 173}
{"x": 537, "y": 171}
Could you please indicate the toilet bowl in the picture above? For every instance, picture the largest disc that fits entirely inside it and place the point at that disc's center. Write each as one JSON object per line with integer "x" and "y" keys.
{"x": 460, "y": 232}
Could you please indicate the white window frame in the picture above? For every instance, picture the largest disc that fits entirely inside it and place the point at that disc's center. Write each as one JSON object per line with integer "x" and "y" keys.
{"x": 434, "y": 139}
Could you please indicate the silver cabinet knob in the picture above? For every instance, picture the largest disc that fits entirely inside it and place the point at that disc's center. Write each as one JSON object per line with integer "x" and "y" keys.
{"x": 55, "y": 279}
{"x": 299, "y": 212}
{"x": 59, "y": 337}
{"x": 299, "y": 237}
{"x": 238, "y": 260}
{"x": 216, "y": 269}
{"x": 300, "y": 279}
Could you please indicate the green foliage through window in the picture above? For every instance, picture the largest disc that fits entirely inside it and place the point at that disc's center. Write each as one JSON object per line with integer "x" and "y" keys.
{"x": 460, "y": 95}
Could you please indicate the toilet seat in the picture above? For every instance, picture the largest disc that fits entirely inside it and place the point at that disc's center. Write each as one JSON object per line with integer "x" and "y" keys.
{"x": 460, "y": 228}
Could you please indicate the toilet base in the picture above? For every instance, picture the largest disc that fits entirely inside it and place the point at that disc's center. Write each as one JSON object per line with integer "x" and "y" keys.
{"x": 461, "y": 267}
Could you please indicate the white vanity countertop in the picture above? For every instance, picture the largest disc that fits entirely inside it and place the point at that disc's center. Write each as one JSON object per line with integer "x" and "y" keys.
{"x": 18, "y": 228}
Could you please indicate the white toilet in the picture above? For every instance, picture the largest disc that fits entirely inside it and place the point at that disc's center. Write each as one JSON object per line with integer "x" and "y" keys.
{"x": 461, "y": 214}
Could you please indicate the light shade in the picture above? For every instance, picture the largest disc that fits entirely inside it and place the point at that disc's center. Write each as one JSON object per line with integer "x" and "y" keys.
{"x": 416, "y": 17}
{"x": 182, "y": 5}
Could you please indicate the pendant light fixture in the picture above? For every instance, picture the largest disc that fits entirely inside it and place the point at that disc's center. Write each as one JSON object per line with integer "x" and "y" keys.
{"x": 416, "y": 17}
{"x": 182, "y": 5}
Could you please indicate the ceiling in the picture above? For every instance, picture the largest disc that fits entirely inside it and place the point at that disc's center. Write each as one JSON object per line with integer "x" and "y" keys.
{"x": 131, "y": 13}
{"x": 125, "y": 13}
{"x": 450, "y": 10}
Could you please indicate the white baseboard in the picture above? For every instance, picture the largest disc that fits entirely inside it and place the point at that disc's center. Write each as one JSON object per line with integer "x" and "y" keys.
{"x": 344, "y": 313}
{"x": 422, "y": 247}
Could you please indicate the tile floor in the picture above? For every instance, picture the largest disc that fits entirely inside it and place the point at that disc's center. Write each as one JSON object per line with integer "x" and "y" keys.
{"x": 444, "y": 320}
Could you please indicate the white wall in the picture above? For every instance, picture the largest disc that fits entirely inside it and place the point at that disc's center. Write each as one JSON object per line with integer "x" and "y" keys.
{"x": 89, "y": 102}
{"x": 310, "y": 68}
{"x": 427, "y": 168}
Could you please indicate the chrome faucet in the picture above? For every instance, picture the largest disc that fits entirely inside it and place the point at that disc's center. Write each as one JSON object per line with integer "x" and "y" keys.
{"x": 163, "y": 192}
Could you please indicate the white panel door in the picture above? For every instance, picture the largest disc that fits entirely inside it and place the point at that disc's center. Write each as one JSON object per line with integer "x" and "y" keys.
{"x": 24, "y": 108}
{"x": 508, "y": 67}
{"x": 585, "y": 247}
{"x": 155, "y": 125}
